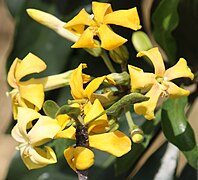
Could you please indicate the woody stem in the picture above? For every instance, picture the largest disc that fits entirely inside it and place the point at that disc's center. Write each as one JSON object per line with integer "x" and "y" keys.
{"x": 82, "y": 139}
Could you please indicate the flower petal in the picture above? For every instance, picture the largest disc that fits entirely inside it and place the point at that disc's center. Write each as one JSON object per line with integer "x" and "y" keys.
{"x": 30, "y": 64}
{"x": 86, "y": 40}
{"x": 109, "y": 39}
{"x": 179, "y": 70}
{"x": 44, "y": 129}
{"x": 140, "y": 80}
{"x": 25, "y": 116}
{"x": 100, "y": 10}
{"x": 94, "y": 85}
{"x": 126, "y": 18}
{"x": 37, "y": 157}
{"x": 174, "y": 91}
{"x": 115, "y": 143}
{"x": 98, "y": 125}
{"x": 76, "y": 82}
{"x": 63, "y": 120}
{"x": 69, "y": 133}
{"x": 77, "y": 24}
{"x": 11, "y": 74}
{"x": 156, "y": 58}
{"x": 33, "y": 93}
{"x": 79, "y": 158}
{"x": 147, "y": 108}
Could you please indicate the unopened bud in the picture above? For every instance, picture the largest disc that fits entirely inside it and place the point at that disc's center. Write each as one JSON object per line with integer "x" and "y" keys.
{"x": 120, "y": 78}
{"x": 120, "y": 54}
{"x": 96, "y": 52}
{"x": 137, "y": 135}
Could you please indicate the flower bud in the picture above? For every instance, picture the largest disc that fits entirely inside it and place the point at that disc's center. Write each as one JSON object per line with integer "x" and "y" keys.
{"x": 120, "y": 78}
{"x": 96, "y": 52}
{"x": 137, "y": 135}
{"x": 120, "y": 54}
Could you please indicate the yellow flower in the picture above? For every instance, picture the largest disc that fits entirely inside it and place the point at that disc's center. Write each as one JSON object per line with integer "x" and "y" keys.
{"x": 78, "y": 79}
{"x": 44, "y": 130}
{"x": 30, "y": 93}
{"x": 98, "y": 25}
{"x": 115, "y": 143}
{"x": 25, "y": 93}
{"x": 158, "y": 84}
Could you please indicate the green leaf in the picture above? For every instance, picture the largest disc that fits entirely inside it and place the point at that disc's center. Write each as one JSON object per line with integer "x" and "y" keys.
{"x": 177, "y": 129}
{"x": 117, "y": 107}
{"x": 73, "y": 112}
{"x": 165, "y": 19}
{"x": 141, "y": 41}
{"x": 50, "y": 108}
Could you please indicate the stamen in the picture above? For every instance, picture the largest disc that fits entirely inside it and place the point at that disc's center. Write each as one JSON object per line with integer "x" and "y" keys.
{"x": 91, "y": 16}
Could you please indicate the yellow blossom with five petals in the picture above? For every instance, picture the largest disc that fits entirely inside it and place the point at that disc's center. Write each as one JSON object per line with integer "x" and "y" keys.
{"x": 115, "y": 143}
{"x": 26, "y": 93}
{"x": 44, "y": 130}
{"x": 157, "y": 84}
{"x": 98, "y": 25}
{"x": 78, "y": 79}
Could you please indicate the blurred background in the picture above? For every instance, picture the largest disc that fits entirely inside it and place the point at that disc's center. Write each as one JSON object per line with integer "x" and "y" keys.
{"x": 171, "y": 26}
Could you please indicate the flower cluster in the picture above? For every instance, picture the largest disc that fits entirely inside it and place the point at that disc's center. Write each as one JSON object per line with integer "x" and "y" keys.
{"x": 91, "y": 118}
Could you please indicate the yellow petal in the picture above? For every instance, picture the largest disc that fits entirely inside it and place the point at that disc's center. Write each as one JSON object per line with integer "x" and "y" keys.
{"x": 147, "y": 108}
{"x": 115, "y": 143}
{"x": 93, "y": 86}
{"x": 76, "y": 82}
{"x": 156, "y": 58}
{"x": 69, "y": 133}
{"x": 79, "y": 158}
{"x": 33, "y": 93}
{"x": 77, "y": 24}
{"x": 179, "y": 70}
{"x": 35, "y": 158}
{"x": 109, "y": 39}
{"x": 30, "y": 64}
{"x": 11, "y": 73}
{"x": 63, "y": 120}
{"x": 98, "y": 125}
{"x": 95, "y": 110}
{"x": 86, "y": 40}
{"x": 139, "y": 79}
{"x": 126, "y": 18}
{"x": 174, "y": 91}
{"x": 100, "y": 10}
{"x": 44, "y": 130}
{"x": 25, "y": 116}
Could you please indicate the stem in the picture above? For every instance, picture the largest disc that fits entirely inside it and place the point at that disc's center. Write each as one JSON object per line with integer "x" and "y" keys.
{"x": 82, "y": 139}
{"x": 107, "y": 61}
{"x": 129, "y": 118}
{"x": 124, "y": 66}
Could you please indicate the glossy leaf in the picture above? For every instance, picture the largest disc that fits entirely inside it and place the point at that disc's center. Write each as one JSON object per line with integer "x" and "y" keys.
{"x": 165, "y": 19}
{"x": 177, "y": 129}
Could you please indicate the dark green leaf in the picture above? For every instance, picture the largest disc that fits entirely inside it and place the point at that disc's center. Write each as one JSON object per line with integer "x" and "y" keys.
{"x": 177, "y": 129}
{"x": 50, "y": 108}
{"x": 165, "y": 19}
